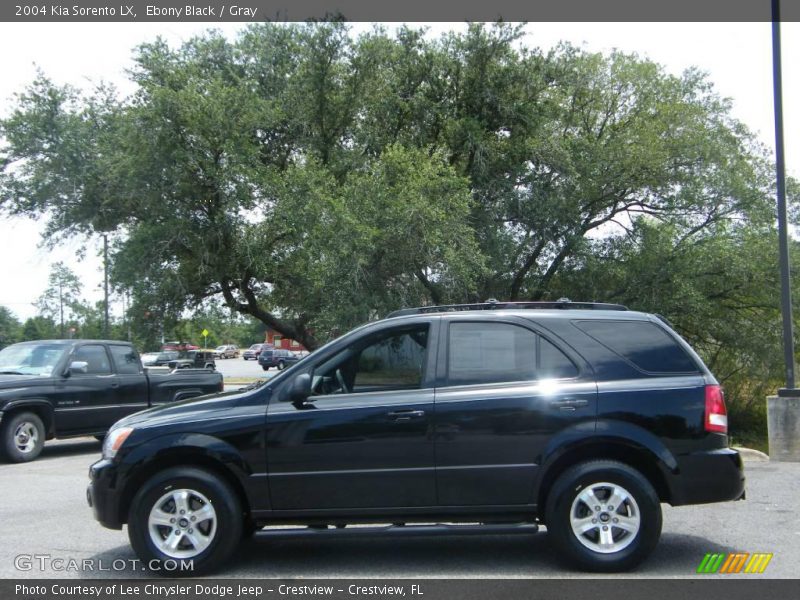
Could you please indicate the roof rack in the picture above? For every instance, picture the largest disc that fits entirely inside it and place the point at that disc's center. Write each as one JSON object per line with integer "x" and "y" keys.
{"x": 492, "y": 304}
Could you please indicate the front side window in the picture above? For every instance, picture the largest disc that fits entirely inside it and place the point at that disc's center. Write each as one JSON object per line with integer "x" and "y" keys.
{"x": 388, "y": 361}
{"x": 500, "y": 352}
{"x": 95, "y": 357}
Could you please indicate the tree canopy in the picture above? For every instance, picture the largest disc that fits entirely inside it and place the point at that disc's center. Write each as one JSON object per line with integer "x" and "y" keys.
{"x": 313, "y": 179}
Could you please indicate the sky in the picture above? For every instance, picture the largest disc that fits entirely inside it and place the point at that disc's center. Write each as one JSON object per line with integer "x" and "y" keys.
{"x": 736, "y": 56}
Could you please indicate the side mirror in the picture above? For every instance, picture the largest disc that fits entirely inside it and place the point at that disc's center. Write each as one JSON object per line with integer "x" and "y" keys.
{"x": 78, "y": 367}
{"x": 300, "y": 389}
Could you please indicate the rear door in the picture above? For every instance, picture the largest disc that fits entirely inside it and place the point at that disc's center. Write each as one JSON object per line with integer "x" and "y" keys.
{"x": 505, "y": 390}
{"x": 132, "y": 388}
{"x": 88, "y": 401}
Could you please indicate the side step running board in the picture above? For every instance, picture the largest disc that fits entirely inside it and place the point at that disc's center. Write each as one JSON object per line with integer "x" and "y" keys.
{"x": 399, "y": 530}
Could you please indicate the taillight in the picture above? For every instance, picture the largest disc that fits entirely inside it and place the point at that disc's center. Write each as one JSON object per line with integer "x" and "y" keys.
{"x": 716, "y": 420}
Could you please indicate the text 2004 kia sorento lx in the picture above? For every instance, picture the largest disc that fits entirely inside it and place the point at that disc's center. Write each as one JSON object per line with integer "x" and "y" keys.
{"x": 582, "y": 417}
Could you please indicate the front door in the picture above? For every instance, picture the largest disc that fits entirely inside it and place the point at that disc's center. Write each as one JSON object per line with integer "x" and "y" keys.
{"x": 364, "y": 437}
{"x": 506, "y": 391}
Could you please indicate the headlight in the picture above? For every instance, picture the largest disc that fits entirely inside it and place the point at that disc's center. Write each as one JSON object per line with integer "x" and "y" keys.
{"x": 114, "y": 440}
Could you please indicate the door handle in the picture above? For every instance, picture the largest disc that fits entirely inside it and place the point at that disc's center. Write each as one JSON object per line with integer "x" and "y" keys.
{"x": 406, "y": 415}
{"x": 569, "y": 403}
{"x": 115, "y": 385}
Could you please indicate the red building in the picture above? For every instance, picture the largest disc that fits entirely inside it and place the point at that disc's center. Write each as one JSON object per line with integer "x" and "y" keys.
{"x": 279, "y": 341}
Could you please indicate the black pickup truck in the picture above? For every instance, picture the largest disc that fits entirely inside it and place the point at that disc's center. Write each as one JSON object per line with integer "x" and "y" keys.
{"x": 68, "y": 388}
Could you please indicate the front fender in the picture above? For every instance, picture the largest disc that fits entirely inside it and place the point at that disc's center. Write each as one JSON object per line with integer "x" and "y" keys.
{"x": 143, "y": 460}
{"x": 41, "y": 405}
{"x": 155, "y": 449}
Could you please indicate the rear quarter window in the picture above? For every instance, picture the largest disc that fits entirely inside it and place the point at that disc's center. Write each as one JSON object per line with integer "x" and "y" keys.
{"x": 645, "y": 345}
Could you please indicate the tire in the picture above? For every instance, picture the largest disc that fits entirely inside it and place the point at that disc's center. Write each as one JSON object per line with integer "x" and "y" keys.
{"x": 281, "y": 366}
{"x": 266, "y": 368}
{"x": 22, "y": 436}
{"x": 203, "y": 545}
{"x": 634, "y": 526}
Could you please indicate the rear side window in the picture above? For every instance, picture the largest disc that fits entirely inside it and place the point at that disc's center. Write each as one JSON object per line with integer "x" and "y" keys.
{"x": 553, "y": 363}
{"x": 125, "y": 360}
{"x": 95, "y": 358}
{"x": 500, "y": 352}
{"x": 646, "y": 345}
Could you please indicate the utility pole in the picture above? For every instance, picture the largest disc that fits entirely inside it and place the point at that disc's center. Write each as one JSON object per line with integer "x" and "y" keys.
{"x": 105, "y": 285}
{"x": 783, "y": 230}
{"x": 61, "y": 303}
{"x": 783, "y": 410}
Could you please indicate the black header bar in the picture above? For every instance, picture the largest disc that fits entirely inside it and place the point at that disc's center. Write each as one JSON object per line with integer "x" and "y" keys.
{"x": 394, "y": 10}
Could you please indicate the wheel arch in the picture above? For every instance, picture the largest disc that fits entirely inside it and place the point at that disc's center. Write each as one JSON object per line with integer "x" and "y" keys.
{"x": 39, "y": 406}
{"x": 626, "y": 451}
{"x": 201, "y": 451}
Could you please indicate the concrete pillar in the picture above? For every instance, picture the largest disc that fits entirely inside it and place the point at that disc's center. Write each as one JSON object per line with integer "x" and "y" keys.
{"x": 783, "y": 423}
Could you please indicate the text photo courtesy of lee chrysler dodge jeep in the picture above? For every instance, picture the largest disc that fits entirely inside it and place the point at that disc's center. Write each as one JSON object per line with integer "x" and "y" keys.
{"x": 581, "y": 417}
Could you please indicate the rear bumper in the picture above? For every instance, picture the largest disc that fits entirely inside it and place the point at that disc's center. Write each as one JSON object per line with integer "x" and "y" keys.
{"x": 103, "y": 494}
{"x": 709, "y": 476}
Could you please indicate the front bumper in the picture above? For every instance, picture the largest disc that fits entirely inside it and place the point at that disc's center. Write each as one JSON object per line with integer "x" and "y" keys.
{"x": 709, "y": 476}
{"x": 103, "y": 494}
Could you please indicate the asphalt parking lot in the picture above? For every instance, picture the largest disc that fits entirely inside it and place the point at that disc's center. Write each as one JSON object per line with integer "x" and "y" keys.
{"x": 238, "y": 368}
{"x": 44, "y": 512}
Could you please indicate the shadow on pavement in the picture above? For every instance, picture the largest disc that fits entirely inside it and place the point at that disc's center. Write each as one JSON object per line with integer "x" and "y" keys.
{"x": 501, "y": 556}
{"x": 62, "y": 448}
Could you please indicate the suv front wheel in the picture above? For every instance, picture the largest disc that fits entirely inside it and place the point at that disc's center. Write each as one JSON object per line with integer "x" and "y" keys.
{"x": 22, "y": 437}
{"x": 184, "y": 521}
{"x": 603, "y": 516}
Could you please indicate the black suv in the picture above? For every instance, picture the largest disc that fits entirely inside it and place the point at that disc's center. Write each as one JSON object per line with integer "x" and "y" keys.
{"x": 277, "y": 358}
{"x": 582, "y": 417}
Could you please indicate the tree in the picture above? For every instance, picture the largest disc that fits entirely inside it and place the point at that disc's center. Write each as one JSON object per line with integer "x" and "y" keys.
{"x": 10, "y": 328}
{"x": 62, "y": 293}
{"x": 312, "y": 180}
{"x": 39, "y": 328}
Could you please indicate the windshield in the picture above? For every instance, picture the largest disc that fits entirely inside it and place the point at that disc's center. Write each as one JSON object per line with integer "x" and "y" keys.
{"x": 30, "y": 359}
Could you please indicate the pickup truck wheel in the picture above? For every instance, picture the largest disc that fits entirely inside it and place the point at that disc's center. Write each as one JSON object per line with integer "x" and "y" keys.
{"x": 23, "y": 437}
{"x": 603, "y": 516}
{"x": 281, "y": 366}
{"x": 186, "y": 520}
{"x": 265, "y": 367}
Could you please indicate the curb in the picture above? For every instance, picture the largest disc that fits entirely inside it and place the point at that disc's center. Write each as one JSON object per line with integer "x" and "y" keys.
{"x": 751, "y": 455}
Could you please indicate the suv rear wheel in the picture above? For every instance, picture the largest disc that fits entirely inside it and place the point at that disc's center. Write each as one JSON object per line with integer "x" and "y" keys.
{"x": 184, "y": 521}
{"x": 603, "y": 516}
